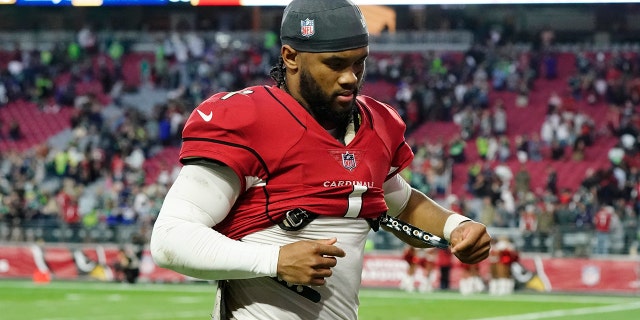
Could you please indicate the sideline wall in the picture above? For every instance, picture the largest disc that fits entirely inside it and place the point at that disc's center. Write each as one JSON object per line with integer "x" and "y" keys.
{"x": 382, "y": 269}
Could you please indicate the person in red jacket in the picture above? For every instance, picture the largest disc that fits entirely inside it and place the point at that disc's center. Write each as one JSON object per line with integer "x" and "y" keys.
{"x": 602, "y": 224}
{"x": 445, "y": 262}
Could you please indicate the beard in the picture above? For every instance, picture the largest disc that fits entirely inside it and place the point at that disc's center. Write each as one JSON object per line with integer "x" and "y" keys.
{"x": 321, "y": 104}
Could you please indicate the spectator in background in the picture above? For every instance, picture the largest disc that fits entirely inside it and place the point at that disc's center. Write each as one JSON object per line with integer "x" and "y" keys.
{"x": 136, "y": 158}
{"x": 50, "y": 209}
{"x": 164, "y": 128}
{"x": 630, "y": 226}
{"x": 499, "y": 117}
{"x": 547, "y": 132}
{"x": 438, "y": 176}
{"x": 121, "y": 265}
{"x": 414, "y": 277}
{"x": 465, "y": 119}
{"x": 546, "y": 225}
{"x": 534, "y": 148}
{"x": 528, "y": 226}
{"x": 503, "y": 255}
{"x": 551, "y": 184}
{"x": 428, "y": 262}
{"x": 457, "y": 148}
{"x": 127, "y": 265}
{"x": 551, "y": 65}
{"x": 617, "y": 228}
{"x": 503, "y": 175}
{"x": 522, "y": 181}
{"x": 87, "y": 40}
{"x": 557, "y": 150}
{"x": 602, "y": 222}
{"x": 470, "y": 281}
{"x": 15, "y": 131}
{"x": 482, "y": 146}
{"x": 485, "y": 126}
{"x": 504, "y": 148}
{"x": 522, "y": 147}
{"x": 488, "y": 212}
{"x": 522, "y": 97}
{"x": 4, "y": 98}
{"x": 565, "y": 218}
{"x": 445, "y": 262}
{"x": 493, "y": 146}
{"x": 578, "y": 151}
{"x": 71, "y": 217}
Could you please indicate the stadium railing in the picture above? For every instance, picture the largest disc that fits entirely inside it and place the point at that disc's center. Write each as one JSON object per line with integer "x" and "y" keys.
{"x": 146, "y": 41}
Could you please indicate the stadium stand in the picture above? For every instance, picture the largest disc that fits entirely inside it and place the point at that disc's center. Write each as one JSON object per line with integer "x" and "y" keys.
{"x": 97, "y": 155}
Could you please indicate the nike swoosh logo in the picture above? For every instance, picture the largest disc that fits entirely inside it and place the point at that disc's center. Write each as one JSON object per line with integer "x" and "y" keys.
{"x": 206, "y": 117}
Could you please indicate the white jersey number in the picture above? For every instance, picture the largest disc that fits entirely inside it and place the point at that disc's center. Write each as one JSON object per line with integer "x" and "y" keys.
{"x": 355, "y": 201}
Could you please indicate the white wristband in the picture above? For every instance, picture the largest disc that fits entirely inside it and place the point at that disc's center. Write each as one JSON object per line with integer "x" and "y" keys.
{"x": 453, "y": 221}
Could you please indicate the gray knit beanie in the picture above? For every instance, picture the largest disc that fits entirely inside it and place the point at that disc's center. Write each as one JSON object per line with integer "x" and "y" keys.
{"x": 323, "y": 26}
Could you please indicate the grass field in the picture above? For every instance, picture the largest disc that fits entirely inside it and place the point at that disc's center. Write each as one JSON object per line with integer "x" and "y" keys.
{"x": 22, "y": 300}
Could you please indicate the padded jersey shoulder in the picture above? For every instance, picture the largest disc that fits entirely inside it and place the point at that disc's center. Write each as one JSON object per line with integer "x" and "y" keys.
{"x": 249, "y": 113}
{"x": 384, "y": 118}
{"x": 248, "y": 130}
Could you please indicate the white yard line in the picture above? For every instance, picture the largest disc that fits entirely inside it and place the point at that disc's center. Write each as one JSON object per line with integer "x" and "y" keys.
{"x": 535, "y": 297}
{"x": 568, "y": 312}
{"x": 144, "y": 316}
{"x": 109, "y": 286}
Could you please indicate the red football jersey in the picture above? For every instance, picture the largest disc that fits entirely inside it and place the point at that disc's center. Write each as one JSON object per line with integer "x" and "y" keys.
{"x": 263, "y": 132}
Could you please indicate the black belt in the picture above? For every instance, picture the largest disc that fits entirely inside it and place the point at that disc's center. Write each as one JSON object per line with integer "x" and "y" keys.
{"x": 296, "y": 219}
{"x": 304, "y": 291}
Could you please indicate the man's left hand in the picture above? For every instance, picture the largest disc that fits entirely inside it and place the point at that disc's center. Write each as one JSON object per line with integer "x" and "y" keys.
{"x": 470, "y": 242}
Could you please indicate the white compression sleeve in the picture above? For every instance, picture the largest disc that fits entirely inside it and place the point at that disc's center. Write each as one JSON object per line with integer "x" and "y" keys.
{"x": 182, "y": 237}
{"x": 396, "y": 194}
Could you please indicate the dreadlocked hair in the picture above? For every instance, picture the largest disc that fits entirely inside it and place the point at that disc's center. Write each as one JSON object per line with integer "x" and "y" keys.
{"x": 278, "y": 72}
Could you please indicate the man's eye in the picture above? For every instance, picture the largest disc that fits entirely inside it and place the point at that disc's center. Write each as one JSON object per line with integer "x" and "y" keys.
{"x": 335, "y": 65}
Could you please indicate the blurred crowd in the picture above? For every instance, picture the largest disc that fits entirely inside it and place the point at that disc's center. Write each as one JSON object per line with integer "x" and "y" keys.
{"x": 96, "y": 185}
{"x": 601, "y": 210}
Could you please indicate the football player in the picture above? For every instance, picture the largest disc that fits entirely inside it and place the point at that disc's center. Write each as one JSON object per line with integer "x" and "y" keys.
{"x": 281, "y": 184}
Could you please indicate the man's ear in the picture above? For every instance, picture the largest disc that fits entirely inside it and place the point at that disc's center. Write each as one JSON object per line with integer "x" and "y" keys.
{"x": 289, "y": 56}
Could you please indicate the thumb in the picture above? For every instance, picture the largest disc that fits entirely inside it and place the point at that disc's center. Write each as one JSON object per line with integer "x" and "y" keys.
{"x": 327, "y": 247}
{"x": 458, "y": 241}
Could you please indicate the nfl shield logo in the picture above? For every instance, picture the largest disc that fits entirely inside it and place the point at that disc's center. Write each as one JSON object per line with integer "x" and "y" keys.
{"x": 349, "y": 161}
{"x": 306, "y": 27}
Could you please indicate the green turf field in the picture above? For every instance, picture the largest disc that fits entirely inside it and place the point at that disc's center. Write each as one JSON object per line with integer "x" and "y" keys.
{"x": 22, "y": 300}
